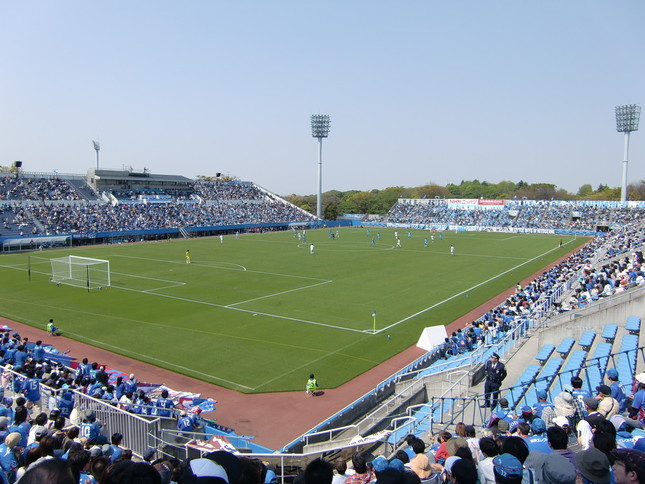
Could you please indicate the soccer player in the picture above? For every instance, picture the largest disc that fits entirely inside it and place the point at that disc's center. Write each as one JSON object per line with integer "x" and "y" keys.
{"x": 425, "y": 242}
{"x": 452, "y": 250}
{"x": 311, "y": 249}
{"x": 373, "y": 241}
{"x": 187, "y": 256}
{"x": 398, "y": 242}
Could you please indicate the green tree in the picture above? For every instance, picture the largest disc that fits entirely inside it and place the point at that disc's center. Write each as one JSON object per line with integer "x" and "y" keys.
{"x": 330, "y": 212}
{"x": 585, "y": 190}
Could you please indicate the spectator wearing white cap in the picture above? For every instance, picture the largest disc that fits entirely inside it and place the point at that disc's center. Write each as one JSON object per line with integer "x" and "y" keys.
{"x": 637, "y": 409}
{"x": 130, "y": 385}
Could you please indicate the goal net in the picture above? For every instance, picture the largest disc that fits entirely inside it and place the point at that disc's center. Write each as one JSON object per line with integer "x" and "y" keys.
{"x": 81, "y": 272}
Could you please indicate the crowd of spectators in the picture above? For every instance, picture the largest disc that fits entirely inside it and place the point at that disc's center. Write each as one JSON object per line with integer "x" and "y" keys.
{"x": 540, "y": 215}
{"x": 221, "y": 203}
{"x": 61, "y": 219}
{"x": 14, "y": 188}
{"x": 41, "y": 420}
{"x": 228, "y": 191}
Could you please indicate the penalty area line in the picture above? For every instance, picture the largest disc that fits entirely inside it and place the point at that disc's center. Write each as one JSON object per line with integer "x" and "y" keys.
{"x": 101, "y": 344}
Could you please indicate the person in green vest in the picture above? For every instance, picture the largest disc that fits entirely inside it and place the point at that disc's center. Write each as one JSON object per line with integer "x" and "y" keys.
{"x": 51, "y": 329}
{"x": 312, "y": 385}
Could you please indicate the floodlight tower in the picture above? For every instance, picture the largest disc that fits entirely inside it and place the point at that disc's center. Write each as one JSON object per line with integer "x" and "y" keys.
{"x": 97, "y": 148}
{"x": 627, "y": 117}
{"x": 319, "y": 129}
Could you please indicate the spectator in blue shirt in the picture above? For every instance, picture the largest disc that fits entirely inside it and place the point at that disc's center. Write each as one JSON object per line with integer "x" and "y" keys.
{"x": 9, "y": 451}
{"x": 38, "y": 352}
{"x": 617, "y": 388}
{"x": 91, "y": 430}
{"x": 164, "y": 405}
{"x": 21, "y": 425}
{"x": 20, "y": 358}
{"x": 31, "y": 388}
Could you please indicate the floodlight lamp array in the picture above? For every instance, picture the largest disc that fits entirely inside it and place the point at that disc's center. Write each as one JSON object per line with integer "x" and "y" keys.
{"x": 320, "y": 125}
{"x": 627, "y": 118}
{"x": 96, "y": 144}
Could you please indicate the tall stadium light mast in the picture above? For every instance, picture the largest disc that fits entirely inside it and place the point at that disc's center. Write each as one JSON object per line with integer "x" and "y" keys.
{"x": 97, "y": 148}
{"x": 627, "y": 117}
{"x": 319, "y": 129}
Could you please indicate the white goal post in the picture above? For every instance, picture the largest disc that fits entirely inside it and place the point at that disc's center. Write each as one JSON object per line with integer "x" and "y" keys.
{"x": 81, "y": 272}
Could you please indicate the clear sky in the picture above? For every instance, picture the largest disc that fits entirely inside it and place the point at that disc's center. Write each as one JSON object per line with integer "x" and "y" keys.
{"x": 418, "y": 91}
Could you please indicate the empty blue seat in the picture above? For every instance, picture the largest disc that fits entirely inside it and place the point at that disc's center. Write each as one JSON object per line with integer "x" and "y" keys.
{"x": 545, "y": 353}
{"x": 633, "y": 325}
{"x": 587, "y": 339}
{"x": 565, "y": 347}
{"x": 609, "y": 333}
{"x": 517, "y": 391}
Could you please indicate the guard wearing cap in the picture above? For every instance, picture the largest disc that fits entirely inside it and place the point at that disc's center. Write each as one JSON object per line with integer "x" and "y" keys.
{"x": 495, "y": 374}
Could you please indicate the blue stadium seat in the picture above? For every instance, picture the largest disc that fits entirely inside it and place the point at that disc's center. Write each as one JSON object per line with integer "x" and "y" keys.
{"x": 625, "y": 361}
{"x": 587, "y": 339}
{"x": 545, "y": 353}
{"x": 565, "y": 347}
{"x": 633, "y": 325}
{"x": 572, "y": 368}
{"x": 609, "y": 333}
{"x": 515, "y": 394}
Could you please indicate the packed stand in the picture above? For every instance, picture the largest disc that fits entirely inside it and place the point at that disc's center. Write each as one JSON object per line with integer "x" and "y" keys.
{"x": 552, "y": 215}
{"x": 13, "y": 188}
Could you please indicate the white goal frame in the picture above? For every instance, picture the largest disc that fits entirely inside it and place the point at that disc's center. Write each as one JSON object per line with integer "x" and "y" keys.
{"x": 80, "y": 272}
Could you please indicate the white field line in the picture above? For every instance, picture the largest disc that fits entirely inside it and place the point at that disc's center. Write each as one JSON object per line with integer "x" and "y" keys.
{"x": 462, "y": 292}
{"x": 278, "y": 293}
{"x": 306, "y": 365}
{"x": 276, "y": 316}
{"x": 234, "y": 267}
{"x": 139, "y": 354}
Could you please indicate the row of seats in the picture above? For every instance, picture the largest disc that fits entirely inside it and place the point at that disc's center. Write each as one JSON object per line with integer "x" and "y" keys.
{"x": 553, "y": 374}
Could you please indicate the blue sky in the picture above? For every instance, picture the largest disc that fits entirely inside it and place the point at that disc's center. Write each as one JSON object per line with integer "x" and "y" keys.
{"x": 418, "y": 91}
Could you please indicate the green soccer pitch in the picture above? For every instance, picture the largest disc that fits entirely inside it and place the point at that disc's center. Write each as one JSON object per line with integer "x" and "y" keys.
{"x": 259, "y": 313}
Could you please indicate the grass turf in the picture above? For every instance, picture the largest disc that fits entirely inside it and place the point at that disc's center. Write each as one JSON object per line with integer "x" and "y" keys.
{"x": 259, "y": 313}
